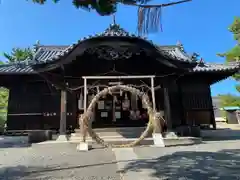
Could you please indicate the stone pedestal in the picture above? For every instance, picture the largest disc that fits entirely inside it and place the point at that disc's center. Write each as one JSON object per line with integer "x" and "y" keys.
{"x": 62, "y": 137}
{"x": 158, "y": 140}
{"x": 189, "y": 131}
{"x": 170, "y": 134}
{"x": 82, "y": 146}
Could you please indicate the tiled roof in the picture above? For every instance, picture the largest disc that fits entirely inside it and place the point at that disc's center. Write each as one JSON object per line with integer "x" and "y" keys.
{"x": 176, "y": 52}
{"x": 213, "y": 67}
{"x": 25, "y": 67}
{"x": 48, "y": 53}
{"x": 16, "y": 69}
{"x": 45, "y": 54}
{"x": 42, "y": 54}
{"x": 172, "y": 52}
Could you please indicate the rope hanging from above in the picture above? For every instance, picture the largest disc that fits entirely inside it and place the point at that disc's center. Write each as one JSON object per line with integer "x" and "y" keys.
{"x": 150, "y": 17}
{"x": 149, "y": 20}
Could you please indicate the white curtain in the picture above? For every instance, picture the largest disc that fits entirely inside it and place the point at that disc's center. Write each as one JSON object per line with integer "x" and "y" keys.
{"x": 134, "y": 103}
{"x": 80, "y": 101}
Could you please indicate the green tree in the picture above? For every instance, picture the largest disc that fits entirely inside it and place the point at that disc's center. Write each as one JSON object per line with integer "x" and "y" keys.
{"x": 229, "y": 100}
{"x": 148, "y": 15}
{"x": 3, "y": 104}
{"x": 18, "y": 54}
{"x": 233, "y": 55}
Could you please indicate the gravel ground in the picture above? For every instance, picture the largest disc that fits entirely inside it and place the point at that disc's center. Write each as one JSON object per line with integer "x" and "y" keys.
{"x": 57, "y": 161}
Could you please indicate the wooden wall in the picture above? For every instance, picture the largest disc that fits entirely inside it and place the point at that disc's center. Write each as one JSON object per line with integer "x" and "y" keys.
{"x": 36, "y": 105}
{"x": 197, "y": 102}
{"x": 175, "y": 105}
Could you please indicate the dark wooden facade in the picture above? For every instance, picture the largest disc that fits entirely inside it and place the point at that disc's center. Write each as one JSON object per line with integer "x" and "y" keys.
{"x": 37, "y": 106}
{"x": 35, "y": 91}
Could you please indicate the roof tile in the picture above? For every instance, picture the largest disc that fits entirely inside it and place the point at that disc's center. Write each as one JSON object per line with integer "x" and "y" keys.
{"x": 214, "y": 67}
{"x": 46, "y": 54}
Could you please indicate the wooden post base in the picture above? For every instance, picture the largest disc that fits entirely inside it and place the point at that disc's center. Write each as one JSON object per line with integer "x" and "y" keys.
{"x": 62, "y": 137}
{"x": 82, "y": 146}
{"x": 158, "y": 140}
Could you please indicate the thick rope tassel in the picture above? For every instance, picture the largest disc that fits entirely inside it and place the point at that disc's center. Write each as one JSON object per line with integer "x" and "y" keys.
{"x": 149, "y": 19}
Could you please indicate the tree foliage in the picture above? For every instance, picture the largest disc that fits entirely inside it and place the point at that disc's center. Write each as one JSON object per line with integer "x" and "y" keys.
{"x": 18, "y": 54}
{"x": 233, "y": 55}
{"x": 148, "y": 15}
{"x": 229, "y": 100}
{"x": 3, "y": 105}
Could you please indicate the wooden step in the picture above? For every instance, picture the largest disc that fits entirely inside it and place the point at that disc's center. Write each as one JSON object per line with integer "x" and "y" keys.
{"x": 116, "y": 129}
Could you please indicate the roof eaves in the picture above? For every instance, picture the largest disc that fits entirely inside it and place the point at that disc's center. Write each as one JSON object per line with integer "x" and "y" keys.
{"x": 16, "y": 69}
{"x": 173, "y": 52}
{"x": 170, "y": 52}
{"x": 113, "y": 31}
{"x": 216, "y": 67}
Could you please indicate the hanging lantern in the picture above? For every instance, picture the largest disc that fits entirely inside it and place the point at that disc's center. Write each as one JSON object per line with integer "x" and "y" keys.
{"x": 126, "y": 96}
{"x": 115, "y": 100}
{"x": 121, "y": 92}
{"x": 125, "y": 103}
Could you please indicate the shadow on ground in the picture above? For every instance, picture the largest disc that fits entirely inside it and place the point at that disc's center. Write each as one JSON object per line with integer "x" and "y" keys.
{"x": 190, "y": 165}
{"x": 14, "y": 142}
{"x": 57, "y": 172}
{"x": 134, "y": 132}
{"x": 221, "y": 134}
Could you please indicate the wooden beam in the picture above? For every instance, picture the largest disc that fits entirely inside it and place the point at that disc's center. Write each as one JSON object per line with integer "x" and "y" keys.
{"x": 153, "y": 94}
{"x": 118, "y": 77}
{"x": 167, "y": 108}
{"x": 85, "y": 95}
{"x": 63, "y": 115}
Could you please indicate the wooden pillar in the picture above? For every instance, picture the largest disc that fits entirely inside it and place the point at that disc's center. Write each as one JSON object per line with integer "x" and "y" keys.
{"x": 83, "y": 129}
{"x": 167, "y": 108}
{"x": 153, "y": 94}
{"x": 157, "y": 124}
{"x": 182, "y": 109}
{"x": 63, "y": 115}
{"x": 85, "y": 95}
{"x": 213, "y": 121}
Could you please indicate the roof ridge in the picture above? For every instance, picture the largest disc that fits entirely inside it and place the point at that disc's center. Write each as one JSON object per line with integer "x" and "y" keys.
{"x": 54, "y": 47}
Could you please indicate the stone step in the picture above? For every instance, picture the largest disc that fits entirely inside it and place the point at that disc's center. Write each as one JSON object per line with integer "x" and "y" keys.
{"x": 113, "y": 134}
{"x": 116, "y": 129}
{"x": 147, "y": 141}
{"x": 78, "y": 138}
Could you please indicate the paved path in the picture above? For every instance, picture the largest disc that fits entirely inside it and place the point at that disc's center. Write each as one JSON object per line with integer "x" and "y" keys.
{"x": 57, "y": 161}
{"x": 211, "y": 160}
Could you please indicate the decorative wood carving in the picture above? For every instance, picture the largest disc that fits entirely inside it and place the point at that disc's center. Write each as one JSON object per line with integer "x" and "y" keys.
{"x": 110, "y": 53}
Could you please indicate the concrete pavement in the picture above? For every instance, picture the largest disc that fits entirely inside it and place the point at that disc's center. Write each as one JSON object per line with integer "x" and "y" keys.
{"x": 57, "y": 161}
{"x": 210, "y": 160}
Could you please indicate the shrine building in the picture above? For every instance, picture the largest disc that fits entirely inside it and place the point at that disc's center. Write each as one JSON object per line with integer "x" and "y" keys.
{"x": 57, "y": 85}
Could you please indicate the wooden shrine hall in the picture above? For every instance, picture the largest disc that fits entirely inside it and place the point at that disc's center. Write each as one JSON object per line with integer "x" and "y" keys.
{"x": 47, "y": 92}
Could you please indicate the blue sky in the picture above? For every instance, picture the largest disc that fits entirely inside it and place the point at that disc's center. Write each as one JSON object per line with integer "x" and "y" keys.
{"x": 200, "y": 25}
